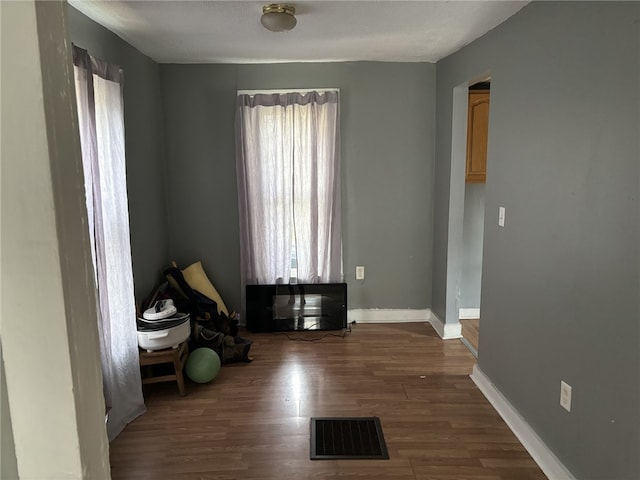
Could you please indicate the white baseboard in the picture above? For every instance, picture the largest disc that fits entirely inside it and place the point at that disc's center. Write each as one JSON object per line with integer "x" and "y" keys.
{"x": 541, "y": 454}
{"x": 447, "y": 331}
{"x": 469, "y": 313}
{"x": 384, "y": 315}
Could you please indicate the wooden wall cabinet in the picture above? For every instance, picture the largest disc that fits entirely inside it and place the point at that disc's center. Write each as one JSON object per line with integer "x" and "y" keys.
{"x": 477, "y": 136}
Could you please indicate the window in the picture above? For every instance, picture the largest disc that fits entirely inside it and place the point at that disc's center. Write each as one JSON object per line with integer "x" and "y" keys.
{"x": 101, "y": 125}
{"x": 288, "y": 165}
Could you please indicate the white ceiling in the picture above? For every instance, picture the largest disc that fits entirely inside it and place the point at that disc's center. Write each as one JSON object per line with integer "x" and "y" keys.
{"x": 327, "y": 31}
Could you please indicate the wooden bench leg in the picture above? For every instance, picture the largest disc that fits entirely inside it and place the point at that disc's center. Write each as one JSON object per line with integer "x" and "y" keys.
{"x": 178, "y": 365}
{"x": 179, "y": 376}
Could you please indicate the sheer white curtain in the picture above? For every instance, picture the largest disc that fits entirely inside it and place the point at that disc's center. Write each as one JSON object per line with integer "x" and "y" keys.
{"x": 101, "y": 123}
{"x": 289, "y": 189}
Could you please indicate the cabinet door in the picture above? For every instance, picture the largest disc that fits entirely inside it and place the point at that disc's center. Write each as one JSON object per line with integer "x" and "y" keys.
{"x": 477, "y": 136}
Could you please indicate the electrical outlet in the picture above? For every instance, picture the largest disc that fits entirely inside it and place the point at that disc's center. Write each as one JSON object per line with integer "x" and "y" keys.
{"x": 565, "y": 396}
{"x": 360, "y": 273}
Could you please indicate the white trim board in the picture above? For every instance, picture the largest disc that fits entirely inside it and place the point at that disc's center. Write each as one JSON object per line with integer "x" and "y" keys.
{"x": 384, "y": 315}
{"x": 469, "y": 313}
{"x": 447, "y": 331}
{"x": 541, "y": 454}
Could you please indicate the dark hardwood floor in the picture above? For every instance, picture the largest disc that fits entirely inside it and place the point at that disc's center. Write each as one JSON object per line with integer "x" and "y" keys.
{"x": 471, "y": 332}
{"x": 252, "y": 421}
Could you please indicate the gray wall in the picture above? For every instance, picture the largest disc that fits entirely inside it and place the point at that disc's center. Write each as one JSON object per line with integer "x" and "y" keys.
{"x": 8, "y": 462}
{"x": 560, "y": 280}
{"x": 387, "y": 125}
{"x": 53, "y": 379}
{"x": 144, "y": 145}
{"x": 473, "y": 231}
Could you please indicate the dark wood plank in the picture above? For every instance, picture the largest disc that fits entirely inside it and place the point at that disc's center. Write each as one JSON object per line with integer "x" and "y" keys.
{"x": 471, "y": 331}
{"x": 252, "y": 421}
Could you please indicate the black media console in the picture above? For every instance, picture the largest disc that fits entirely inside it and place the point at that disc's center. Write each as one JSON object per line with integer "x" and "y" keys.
{"x": 299, "y": 306}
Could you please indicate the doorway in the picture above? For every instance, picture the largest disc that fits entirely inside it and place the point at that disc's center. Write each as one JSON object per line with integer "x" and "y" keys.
{"x": 466, "y": 209}
{"x": 473, "y": 218}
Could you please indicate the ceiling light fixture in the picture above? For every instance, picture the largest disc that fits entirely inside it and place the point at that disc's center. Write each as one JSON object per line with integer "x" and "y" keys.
{"x": 278, "y": 17}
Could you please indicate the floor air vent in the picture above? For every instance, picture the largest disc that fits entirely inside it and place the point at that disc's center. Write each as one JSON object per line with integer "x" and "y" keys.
{"x": 347, "y": 438}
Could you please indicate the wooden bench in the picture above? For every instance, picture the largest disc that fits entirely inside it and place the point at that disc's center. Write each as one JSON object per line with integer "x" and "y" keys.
{"x": 177, "y": 356}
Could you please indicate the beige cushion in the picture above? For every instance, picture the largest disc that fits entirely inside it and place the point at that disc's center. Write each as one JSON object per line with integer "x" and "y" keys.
{"x": 196, "y": 278}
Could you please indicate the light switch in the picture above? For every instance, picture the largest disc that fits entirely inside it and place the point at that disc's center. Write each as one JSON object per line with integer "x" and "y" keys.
{"x": 501, "y": 215}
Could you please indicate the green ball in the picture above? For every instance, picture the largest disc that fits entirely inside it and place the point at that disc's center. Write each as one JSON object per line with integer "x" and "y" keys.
{"x": 203, "y": 364}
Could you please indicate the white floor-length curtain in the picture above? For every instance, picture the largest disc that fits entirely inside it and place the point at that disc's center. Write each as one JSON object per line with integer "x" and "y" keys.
{"x": 101, "y": 123}
{"x": 289, "y": 188}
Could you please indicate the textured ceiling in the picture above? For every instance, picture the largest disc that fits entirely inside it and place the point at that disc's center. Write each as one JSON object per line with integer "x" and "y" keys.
{"x": 327, "y": 31}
